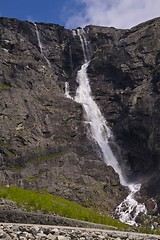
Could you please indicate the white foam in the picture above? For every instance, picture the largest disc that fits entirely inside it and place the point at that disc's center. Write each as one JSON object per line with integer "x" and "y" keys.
{"x": 67, "y": 92}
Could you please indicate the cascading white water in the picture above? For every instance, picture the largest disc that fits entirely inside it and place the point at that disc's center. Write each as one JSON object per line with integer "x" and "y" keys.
{"x": 67, "y": 94}
{"x": 40, "y": 45}
{"x": 99, "y": 130}
{"x": 129, "y": 209}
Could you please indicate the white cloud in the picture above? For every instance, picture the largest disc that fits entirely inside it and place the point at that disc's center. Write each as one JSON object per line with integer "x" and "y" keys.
{"x": 116, "y": 13}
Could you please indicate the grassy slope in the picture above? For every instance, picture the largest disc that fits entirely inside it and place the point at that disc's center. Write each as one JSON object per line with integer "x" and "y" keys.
{"x": 47, "y": 203}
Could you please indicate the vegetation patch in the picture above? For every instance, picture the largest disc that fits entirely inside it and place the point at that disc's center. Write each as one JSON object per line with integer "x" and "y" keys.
{"x": 44, "y": 157}
{"x": 148, "y": 230}
{"x": 5, "y": 86}
{"x": 47, "y": 203}
{"x": 32, "y": 178}
{"x": 16, "y": 169}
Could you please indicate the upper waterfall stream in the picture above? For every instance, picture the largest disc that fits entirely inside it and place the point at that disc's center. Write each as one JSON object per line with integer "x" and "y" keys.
{"x": 41, "y": 46}
{"x": 129, "y": 209}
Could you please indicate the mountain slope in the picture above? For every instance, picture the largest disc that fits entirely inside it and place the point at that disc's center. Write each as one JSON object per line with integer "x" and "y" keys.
{"x": 43, "y": 140}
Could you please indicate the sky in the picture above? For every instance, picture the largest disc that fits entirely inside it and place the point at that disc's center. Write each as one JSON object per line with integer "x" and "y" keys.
{"x": 79, "y": 13}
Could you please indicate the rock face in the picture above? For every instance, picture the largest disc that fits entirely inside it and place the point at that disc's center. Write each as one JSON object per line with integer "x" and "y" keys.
{"x": 125, "y": 81}
{"x": 43, "y": 140}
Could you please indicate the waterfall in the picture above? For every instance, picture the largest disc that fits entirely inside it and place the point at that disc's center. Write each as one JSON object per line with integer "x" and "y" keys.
{"x": 84, "y": 44}
{"x": 99, "y": 131}
{"x": 40, "y": 45}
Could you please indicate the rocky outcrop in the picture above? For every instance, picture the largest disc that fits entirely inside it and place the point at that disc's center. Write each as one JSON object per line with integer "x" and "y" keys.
{"x": 43, "y": 142}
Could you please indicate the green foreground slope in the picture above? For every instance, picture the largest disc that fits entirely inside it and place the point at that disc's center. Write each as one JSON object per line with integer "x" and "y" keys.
{"x": 47, "y": 203}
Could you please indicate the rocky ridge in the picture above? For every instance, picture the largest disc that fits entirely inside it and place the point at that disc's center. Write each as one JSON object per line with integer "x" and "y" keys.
{"x": 43, "y": 142}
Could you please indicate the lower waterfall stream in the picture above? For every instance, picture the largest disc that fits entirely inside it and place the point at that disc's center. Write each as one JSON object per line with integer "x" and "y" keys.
{"x": 129, "y": 209}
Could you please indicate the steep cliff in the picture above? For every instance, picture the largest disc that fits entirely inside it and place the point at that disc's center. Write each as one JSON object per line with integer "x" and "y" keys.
{"x": 125, "y": 81}
{"x": 43, "y": 140}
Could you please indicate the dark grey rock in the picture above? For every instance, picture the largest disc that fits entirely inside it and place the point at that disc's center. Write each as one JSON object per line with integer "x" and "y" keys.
{"x": 43, "y": 142}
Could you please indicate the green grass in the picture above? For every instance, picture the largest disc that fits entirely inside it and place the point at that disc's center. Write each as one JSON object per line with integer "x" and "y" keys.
{"x": 148, "y": 230}
{"x": 5, "y": 86}
{"x": 31, "y": 178}
{"x": 44, "y": 157}
{"x": 47, "y": 203}
{"x": 16, "y": 169}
